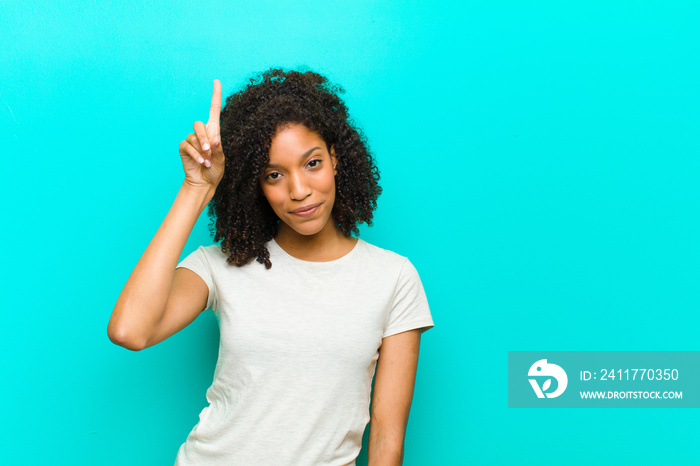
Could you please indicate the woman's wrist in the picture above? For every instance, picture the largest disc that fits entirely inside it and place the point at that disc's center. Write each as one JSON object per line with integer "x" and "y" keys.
{"x": 197, "y": 195}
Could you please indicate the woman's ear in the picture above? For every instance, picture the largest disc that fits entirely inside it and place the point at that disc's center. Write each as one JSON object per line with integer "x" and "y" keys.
{"x": 334, "y": 159}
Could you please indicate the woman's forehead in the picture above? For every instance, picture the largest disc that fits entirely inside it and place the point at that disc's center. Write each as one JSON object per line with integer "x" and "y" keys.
{"x": 294, "y": 141}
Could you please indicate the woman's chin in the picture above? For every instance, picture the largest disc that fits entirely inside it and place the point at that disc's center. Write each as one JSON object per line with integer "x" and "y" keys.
{"x": 306, "y": 229}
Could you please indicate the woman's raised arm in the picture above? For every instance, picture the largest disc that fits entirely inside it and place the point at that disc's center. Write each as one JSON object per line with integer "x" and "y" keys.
{"x": 158, "y": 300}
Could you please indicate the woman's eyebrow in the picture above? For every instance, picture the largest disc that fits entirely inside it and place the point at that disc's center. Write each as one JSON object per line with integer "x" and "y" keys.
{"x": 303, "y": 156}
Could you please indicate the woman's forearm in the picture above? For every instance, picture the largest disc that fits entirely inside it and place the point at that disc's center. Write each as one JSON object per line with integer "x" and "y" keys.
{"x": 383, "y": 451}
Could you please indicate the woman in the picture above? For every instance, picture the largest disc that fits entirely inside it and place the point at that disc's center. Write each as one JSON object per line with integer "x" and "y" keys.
{"x": 303, "y": 327}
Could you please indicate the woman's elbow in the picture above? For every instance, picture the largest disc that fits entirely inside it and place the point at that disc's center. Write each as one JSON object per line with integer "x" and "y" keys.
{"x": 121, "y": 336}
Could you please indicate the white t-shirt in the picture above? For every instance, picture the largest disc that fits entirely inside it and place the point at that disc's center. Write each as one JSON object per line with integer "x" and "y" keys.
{"x": 298, "y": 349}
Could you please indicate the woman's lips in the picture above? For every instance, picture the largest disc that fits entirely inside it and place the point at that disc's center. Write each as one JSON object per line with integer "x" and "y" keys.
{"x": 306, "y": 211}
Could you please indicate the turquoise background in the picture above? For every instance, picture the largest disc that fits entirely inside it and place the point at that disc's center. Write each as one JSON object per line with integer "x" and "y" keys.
{"x": 540, "y": 166}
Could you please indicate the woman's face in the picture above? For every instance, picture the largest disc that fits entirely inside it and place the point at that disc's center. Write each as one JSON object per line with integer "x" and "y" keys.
{"x": 299, "y": 180}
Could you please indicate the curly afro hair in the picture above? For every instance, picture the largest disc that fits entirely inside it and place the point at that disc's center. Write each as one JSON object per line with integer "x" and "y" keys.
{"x": 242, "y": 219}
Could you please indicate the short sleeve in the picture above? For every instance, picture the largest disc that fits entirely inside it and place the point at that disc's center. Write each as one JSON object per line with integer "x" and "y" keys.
{"x": 409, "y": 307}
{"x": 199, "y": 262}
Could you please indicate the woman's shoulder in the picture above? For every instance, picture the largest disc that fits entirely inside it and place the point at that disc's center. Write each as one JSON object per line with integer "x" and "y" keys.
{"x": 395, "y": 267}
{"x": 211, "y": 252}
{"x": 383, "y": 256}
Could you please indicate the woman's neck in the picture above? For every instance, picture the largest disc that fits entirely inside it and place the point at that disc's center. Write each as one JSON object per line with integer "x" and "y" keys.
{"x": 327, "y": 245}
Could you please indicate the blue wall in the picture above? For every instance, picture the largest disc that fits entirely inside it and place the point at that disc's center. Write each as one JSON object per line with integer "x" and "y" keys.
{"x": 540, "y": 165}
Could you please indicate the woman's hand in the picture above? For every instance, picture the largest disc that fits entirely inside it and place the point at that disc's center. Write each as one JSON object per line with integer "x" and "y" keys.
{"x": 202, "y": 156}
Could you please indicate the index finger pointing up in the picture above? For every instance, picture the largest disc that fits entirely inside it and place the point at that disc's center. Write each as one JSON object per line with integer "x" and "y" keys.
{"x": 215, "y": 110}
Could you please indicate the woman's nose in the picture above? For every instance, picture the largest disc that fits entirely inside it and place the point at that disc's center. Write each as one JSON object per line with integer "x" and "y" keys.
{"x": 298, "y": 188}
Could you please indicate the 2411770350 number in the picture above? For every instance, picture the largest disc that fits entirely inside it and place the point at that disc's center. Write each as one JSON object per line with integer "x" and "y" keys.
{"x": 639, "y": 374}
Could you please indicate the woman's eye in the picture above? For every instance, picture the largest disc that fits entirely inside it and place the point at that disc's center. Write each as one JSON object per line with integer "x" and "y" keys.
{"x": 314, "y": 163}
{"x": 273, "y": 176}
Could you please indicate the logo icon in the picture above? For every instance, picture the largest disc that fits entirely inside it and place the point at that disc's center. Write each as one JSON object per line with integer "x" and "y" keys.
{"x": 542, "y": 369}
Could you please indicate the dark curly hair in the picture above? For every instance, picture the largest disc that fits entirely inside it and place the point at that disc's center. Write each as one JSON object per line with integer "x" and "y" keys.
{"x": 242, "y": 218}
